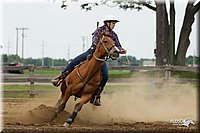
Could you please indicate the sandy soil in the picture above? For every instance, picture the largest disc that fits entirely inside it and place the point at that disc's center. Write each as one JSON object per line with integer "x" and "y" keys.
{"x": 145, "y": 108}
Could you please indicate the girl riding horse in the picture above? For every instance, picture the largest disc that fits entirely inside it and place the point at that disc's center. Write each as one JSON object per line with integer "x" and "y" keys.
{"x": 83, "y": 81}
{"x": 106, "y": 29}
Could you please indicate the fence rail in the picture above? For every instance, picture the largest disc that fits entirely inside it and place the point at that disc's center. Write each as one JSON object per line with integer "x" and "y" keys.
{"x": 149, "y": 68}
{"x": 32, "y": 78}
{"x": 157, "y": 68}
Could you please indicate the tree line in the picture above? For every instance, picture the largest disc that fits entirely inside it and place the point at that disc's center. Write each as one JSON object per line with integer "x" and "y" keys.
{"x": 123, "y": 60}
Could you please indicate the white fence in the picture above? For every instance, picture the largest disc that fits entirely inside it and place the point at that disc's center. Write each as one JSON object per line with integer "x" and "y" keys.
{"x": 32, "y": 78}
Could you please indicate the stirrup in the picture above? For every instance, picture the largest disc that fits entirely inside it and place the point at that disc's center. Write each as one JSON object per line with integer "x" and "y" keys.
{"x": 56, "y": 81}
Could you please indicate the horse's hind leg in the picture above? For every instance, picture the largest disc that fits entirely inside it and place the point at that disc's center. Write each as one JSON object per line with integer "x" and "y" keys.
{"x": 84, "y": 99}
{"x": 63, "y": 88}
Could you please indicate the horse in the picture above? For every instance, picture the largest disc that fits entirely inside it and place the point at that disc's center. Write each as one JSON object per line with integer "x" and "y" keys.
{"x": 83, "y": 81}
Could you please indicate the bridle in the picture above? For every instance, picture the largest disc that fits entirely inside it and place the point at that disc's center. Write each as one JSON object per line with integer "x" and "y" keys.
{"x": 107, "y": 50}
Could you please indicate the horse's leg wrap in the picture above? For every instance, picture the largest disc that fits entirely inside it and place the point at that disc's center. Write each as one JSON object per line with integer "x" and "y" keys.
{"x": 77, "y": 108}
{"x": 70, "y": 120}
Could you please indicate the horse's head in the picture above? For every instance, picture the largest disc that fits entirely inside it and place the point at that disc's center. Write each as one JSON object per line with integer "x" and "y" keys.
{"x": 107, "y": 46}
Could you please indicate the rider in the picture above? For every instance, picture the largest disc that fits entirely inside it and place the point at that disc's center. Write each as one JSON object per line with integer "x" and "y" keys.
{"x": 107, "y": 28}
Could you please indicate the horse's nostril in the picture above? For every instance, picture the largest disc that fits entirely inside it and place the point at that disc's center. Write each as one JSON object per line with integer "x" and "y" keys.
{"x": 116, "y": 53}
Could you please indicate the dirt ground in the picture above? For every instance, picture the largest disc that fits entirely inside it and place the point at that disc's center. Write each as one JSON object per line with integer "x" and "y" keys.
{"x": 133, "y": 110}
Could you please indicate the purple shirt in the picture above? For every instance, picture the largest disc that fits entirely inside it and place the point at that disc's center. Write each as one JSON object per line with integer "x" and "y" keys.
{"x": 103, "y": 29}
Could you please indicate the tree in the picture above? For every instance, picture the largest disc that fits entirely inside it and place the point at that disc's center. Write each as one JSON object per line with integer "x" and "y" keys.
{"x": 4, "y": 58}
{"x": 168, "y": 54}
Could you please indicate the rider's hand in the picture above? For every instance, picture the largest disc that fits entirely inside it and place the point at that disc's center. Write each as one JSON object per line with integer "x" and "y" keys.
{"x": 123, "y": 51}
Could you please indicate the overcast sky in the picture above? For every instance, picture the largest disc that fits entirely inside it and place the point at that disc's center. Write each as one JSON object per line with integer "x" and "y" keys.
{"x": 62, "y": 30}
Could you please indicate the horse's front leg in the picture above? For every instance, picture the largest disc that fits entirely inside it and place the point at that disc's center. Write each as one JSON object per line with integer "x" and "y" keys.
{"x": 83, "y": 100}
{"x": 62, "y": 102}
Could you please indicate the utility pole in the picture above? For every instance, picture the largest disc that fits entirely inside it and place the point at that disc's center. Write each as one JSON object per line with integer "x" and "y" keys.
{"x": 42, "y": 52}
{"x": 17, "y": 45}
{"x": 68, "y": 52}
{"x": 23, "y": 36}
{"x": 8, "y": 47}
{"x": 85, "y": 41}
{"x": 193, "y": 60}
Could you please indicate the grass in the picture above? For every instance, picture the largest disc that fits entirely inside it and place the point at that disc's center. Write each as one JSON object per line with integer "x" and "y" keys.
{"x": 27, "y": 87}
{"x": 190, "y": 75}
{"x": 57, "y": 72}
{"x": 119, "y": 74}
{"x": 127, "y": 74}
{"x": 22, "y": 91}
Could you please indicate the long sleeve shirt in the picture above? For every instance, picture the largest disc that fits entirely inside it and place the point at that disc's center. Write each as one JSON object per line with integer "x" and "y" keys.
{"x": 103, "y": 29}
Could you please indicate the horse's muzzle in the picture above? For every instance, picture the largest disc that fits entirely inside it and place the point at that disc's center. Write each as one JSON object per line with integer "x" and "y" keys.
{"x": 115, "y": 55}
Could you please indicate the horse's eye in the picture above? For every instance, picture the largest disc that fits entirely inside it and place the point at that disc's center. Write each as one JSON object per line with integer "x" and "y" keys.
{"x": 105, "y": 41}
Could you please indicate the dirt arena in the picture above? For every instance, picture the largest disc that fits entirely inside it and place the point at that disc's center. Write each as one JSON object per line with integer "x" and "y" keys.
{"x": 140, "y": 108}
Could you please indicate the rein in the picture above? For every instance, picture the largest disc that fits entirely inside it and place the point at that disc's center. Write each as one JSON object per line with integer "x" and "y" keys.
{"x": 98, "y": 59}
{"x": 129, "y": 63}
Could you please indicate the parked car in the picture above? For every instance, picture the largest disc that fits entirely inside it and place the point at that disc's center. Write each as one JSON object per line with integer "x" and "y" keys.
{"x": 13, "y": 64}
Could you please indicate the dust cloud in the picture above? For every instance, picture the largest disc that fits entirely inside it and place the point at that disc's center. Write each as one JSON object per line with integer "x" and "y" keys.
{"x": 141, "y": 101}
{"x": 146, "y": 101}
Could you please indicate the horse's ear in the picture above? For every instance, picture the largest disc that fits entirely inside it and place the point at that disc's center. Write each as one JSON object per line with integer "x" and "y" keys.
{"x": 100, "y": 35}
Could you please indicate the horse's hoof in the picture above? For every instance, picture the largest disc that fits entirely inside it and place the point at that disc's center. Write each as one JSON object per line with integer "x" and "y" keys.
{"x": 96, "y": 103}
{"x": 54, "y": 116}
{"x": 66, "y": 124}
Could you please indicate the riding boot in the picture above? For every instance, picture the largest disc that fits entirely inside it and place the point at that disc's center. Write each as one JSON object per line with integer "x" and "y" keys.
{"x": 92, "y": 98}
{"x": 59, "y": 79}
{"x": 97, "y": 101}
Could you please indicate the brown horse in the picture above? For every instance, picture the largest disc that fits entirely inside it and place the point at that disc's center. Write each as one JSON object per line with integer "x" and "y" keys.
{"x": 85, "y": 78}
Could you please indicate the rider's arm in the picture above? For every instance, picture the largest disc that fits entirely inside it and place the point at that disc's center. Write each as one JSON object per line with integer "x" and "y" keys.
{"x": 117, "y": 43}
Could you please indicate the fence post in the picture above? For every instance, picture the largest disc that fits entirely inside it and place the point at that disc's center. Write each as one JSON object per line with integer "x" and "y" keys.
{"x": 168, "y": 72}
{"x": 31, "y": 74}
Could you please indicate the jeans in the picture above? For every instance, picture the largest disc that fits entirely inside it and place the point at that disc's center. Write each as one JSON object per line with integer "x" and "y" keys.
{"x": 83, "y": 57}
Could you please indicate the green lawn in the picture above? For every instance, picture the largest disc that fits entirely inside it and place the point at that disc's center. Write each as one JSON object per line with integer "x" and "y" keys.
{"x": 127, "y": 74}
{"x": 57, "y": 72}
{"x": 27, "y": 87}
{"x": 22, "y": 91}
{"x": 112, "y": 74}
